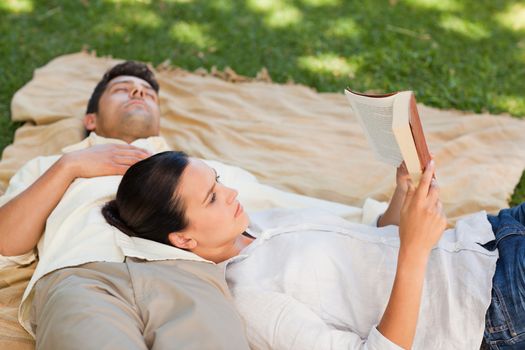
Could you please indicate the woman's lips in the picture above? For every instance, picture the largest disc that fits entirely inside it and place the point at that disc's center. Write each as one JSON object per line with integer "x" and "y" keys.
{"x": 239, "y": 210}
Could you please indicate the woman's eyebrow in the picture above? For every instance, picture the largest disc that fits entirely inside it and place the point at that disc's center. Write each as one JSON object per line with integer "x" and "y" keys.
{"x": 212, "y": 188}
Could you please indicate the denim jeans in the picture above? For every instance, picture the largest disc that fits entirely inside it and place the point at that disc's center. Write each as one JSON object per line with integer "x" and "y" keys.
{"x": 505, "y": 318}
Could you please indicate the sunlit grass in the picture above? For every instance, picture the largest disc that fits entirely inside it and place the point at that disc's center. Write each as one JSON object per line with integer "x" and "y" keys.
{"x": 265, "y": 5}
{"x": 329, "y": 64}
{"x": 513, "y": 17}
{"x": 147, "y": 19}
{"x": 124, "y": 24}
{"x": 191, "y": 33}
{"x": 317, "y": 3}
{"x": 520, "y": 50}
{"x": 461, "y": 54}
{"x": 283, "y": 17}
{"x": 221, "y": 5}
{"x": 109, "y": 28}
{"x": 512, "y": 103}
{"x": 277, "y": 14}
{"x": 441, "y": 5}
{"x": 344, "y": 28}
{"x": 464, "y": 27}
{"x": 130, "y": 2}
{"x": 17, "y": 6}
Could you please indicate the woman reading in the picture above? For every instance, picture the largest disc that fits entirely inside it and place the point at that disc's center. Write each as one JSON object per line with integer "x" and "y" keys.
{"x": 306, "y": 279}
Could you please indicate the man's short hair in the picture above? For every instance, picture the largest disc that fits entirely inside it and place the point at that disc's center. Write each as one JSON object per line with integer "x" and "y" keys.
{"x": 131, "y": 68}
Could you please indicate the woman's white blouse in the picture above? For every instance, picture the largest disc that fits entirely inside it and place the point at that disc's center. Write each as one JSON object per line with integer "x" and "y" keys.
{"x": 312, "y": 280}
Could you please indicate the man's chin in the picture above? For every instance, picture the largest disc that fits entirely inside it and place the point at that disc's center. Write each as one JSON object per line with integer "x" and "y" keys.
{"x": 138, "y": 115}
{"x": 140, "y": 124}
{"x": 136, "y": 109}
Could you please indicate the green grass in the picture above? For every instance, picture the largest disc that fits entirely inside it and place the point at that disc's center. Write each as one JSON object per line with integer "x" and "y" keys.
{"x": 468, "y": 55}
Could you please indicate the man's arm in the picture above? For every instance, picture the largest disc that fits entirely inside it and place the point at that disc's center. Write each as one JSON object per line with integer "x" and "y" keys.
{"x": 23, "y": 218}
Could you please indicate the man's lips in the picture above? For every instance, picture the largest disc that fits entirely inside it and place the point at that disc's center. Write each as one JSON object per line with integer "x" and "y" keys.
{"x": 135, "y": 102}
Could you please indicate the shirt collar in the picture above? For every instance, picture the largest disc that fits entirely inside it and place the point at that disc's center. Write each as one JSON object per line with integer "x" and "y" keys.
{"x": 154, "y": 144}
{"x": 152, "y": 251}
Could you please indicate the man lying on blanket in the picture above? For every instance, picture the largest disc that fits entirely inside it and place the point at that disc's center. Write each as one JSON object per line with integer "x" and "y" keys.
{"x": 95, "y": 287}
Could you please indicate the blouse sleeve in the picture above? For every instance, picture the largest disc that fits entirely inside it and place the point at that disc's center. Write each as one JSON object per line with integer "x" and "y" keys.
{"x": 279, "y": 322}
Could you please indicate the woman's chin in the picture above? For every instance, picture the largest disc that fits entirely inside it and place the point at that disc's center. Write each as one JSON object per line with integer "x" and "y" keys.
{"x": 245, "y": 221}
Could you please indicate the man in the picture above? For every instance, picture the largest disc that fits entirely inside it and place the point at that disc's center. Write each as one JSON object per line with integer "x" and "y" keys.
{"x": 94, "y": 287}
{"x": 99, "y": 291}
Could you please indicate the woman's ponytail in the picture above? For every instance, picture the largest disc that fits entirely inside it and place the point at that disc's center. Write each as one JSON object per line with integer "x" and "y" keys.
{"x": 147, "y": 204}
{"x": 111, "y": 214}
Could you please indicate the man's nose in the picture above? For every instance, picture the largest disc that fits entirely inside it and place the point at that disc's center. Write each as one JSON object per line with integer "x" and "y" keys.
{"x": 137, "y": 91}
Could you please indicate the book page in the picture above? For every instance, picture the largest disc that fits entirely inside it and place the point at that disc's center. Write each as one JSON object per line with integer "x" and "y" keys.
{"x": 375, "y": 116}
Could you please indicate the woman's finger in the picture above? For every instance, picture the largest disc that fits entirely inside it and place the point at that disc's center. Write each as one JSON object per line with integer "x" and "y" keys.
{"x": 433, "y": 192}
{"x": 410, "y": 194}
{"x": 403, "y": 168}
{"x": 439, "y": 207}
{"x": 424, "y": 182}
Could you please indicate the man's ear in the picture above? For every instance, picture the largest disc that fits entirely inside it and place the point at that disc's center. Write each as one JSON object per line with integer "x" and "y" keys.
{"x": 90, "y": 121}
{"x": 180, "y": 240}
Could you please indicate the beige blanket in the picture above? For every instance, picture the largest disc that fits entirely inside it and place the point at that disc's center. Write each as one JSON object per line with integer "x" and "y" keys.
{"x": 289, "y": 136}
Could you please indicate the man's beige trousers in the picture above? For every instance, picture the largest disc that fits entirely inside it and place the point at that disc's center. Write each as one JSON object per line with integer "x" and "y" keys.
{"x": 136, "y": 305}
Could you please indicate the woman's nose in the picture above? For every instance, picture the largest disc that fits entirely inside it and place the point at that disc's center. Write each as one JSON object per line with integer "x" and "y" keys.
{"x": 232, "y": 194}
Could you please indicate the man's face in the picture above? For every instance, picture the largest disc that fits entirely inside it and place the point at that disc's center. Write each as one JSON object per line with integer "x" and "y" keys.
{"x": 128, "y": 110}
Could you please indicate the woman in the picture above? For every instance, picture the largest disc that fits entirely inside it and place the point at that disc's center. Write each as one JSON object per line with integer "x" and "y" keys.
{"x": 310, "y": 280}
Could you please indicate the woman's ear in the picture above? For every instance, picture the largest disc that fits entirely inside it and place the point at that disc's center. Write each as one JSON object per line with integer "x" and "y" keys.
{"x": 179, "y": 240}
{"x": 90, "y": 121}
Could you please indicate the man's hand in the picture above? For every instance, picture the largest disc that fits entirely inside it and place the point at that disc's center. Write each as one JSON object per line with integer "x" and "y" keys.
{"x": 19, "y": 232}
{"x": 102, "y": 160}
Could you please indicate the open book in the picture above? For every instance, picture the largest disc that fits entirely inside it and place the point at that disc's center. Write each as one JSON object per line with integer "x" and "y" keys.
{"x": 393, "y": 128}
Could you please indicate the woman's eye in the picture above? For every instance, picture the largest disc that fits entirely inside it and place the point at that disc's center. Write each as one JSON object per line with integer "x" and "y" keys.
{"x": 217, "y": 178}
{"x": 212, "y": 197}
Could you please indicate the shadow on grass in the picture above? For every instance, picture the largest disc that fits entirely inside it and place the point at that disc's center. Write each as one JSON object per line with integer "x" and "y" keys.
{"x": 453, "y": 54}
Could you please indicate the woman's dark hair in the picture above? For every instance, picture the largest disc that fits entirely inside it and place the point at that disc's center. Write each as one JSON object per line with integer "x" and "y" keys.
{"x": 131, "y": 68}
{"x": 147, "y": 204}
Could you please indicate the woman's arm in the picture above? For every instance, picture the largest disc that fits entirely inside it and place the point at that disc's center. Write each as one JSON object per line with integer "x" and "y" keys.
{"x": 392, "y": 214}
{"x": 422, "y": 223}
{"x": 277, "y": 321}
